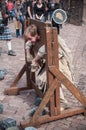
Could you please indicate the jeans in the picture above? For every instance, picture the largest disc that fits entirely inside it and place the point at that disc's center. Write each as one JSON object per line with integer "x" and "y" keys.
{"x": 17, "y": 32}
{"x": 51, "y": 13}
{"x": 21, "y": 19}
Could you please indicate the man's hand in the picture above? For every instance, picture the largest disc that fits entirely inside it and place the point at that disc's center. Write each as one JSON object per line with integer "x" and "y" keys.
{"x": 34, "y": 66}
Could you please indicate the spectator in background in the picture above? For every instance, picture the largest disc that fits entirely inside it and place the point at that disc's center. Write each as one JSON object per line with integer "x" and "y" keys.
{"x": 5, "y": 34}
{"x": 51, "y": 8}
{"x": 29, "y": 9}
{"x": 23, "y": 8}
{"x": 39, "y": 10}
{"x": 19, "y": 13}
{"x": 10, "y": 7}
{"x": 17, "y": 27}
{"x": 45, "y": 2}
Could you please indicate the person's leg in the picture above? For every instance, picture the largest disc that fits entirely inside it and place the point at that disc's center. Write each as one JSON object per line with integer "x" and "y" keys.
{"x": 10, "y": 51}
{"x": 46, "y": 16}
{"x": 22, "y": 22}
{"x": 17, "y": 33}
{"x": 9, "y": 45}
{"x": 51, "y": 12}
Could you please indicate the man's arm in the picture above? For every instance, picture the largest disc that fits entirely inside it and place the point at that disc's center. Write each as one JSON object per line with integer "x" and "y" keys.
{"x": 29, "y": 12}
{"x": 28, "y": 46}
{"x": 40, "y": 54}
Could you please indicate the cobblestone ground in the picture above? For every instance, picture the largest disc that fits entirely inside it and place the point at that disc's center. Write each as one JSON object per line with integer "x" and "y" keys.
{"x": 19, "y": 107}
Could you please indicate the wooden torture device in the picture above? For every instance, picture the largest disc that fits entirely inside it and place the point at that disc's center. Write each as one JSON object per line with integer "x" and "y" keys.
{"x": 49, "y": 37}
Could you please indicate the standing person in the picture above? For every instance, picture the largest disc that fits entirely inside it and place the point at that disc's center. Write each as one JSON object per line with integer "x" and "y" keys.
{"x": 10, "y": 7}
{"x": 23, "y": 8}
{"x": 39, "y": 10}
{"x": 17, "y": 27}
{"x": 19, "y": 14}
{"x": 45, "y": 2}
{"x": 53, "y": 5}
{"x": 6, "y": 34}
{"x": 56, "y": 6}
{"x": 51, "y": 8}
{"x": 30, "y": 9}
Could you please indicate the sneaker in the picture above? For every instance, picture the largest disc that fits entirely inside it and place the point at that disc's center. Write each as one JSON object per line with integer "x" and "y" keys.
{"x": 11, "y": 53}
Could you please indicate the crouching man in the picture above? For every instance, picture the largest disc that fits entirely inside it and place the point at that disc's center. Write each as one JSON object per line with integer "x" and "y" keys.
{"x": 31, "y": 36}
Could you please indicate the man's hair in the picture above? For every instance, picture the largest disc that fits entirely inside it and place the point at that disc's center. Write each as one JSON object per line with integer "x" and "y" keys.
{"x": 32, "y": 29}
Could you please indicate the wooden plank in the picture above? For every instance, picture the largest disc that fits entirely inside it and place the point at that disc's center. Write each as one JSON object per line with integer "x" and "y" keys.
{"x": 44, "y": 102}
{"x": 56, "y": 63}
{"x": 57, "y": 98}
{"x": 64, "y": 114}
{"x": 14, "y": 90}
{"x": 49, "y": 61}
{"x": 18, "y": 76}
{"x": 49, "y": 41}
{"x": 28, "y": 71}
{"x": 47, "y": 118}
{"x": 68, "y": 84}
{"x": 55, "y": 48}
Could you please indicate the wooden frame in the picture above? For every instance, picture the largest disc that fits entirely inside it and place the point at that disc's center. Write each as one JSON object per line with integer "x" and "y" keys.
{"x": 54, "y": 80}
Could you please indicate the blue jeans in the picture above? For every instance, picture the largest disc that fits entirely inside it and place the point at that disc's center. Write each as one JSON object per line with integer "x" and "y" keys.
{"x": 17, "y": 32}
{"x": 21, "y": 19}
{"x": 51, "y": 13}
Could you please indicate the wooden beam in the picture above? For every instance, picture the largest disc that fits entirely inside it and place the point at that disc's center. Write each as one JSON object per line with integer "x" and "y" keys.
{"x": 14, "y": 90}
{"x": 64, "y": 114}
{"x": 46, "y": 118}
{"x": 43, "y": 104}
{"x": 49, "y": 61}
{"x": 68, "y": 84}
{"x": 18, "y": 77}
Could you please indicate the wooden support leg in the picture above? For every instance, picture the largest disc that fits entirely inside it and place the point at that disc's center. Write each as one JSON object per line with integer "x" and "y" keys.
{"x": 14, "y": 90}
{"x": 37, "y": 119}
{"x": 68, "y": 84}
{"x": 48, "y": 94}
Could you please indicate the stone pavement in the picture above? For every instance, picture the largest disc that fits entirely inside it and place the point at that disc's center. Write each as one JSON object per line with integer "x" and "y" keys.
{"x": 19, "y": 107}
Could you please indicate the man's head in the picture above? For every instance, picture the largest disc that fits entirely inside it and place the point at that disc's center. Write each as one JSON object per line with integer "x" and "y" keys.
{"x": 31, "y": 34}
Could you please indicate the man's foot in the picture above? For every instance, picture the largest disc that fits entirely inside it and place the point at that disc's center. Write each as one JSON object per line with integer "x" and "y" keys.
{"x": 11, "y": 53}
{"x": 64, "y": 106}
